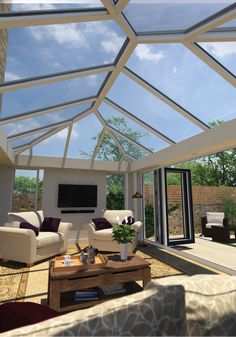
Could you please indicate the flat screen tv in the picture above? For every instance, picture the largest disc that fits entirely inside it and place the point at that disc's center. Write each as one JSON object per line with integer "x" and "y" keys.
{"x": 77, "y": 195}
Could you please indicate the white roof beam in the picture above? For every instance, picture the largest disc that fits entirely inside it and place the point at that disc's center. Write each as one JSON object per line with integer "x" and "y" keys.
{"x": 139, "y": 121}
{"x": 120, "y": 147}
{"x": 52, "y": 17}
{"x": 213, "y": 21}
{"x": 51, "y": 126}
{"x": 147, "y": 86}
{"x": 177, "y": 37}
{"x": 123, "y": 57}
{"x": 212, "y": 63}
{"x": 129, "y": 140}
{"x": 58, "y": 77}
{"x": 120, "y": 6}
{"x": 46, "y": 110}
{"x": 217, "y": 139}
{"x": 119, "y": 18}
{"x": 99, "y": 143}
{"x": 68, "y": 138}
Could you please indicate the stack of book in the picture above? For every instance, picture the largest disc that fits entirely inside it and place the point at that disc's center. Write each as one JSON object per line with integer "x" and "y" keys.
{"x": 88, "y": 294}
{"x": 113, "y": 289}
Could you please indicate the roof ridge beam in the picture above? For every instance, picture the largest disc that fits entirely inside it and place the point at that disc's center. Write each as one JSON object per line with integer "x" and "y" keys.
{"x": 56, "y": 77}
{"x": 139, "y": 121}
{"x": 167, "y": 100}
{"x": 46, "y": 110}
{"x": 129, "y": 140}
{"x": 211, "y": 62}
{"x": 99, "y": 143}
{"x": 52, "y": 17}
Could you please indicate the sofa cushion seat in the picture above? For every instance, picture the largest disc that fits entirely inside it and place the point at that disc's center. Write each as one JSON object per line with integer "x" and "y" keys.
{"x": 103, "y": 234}
{"x": 209, "y": 225}
{"x": 46, "y": 239}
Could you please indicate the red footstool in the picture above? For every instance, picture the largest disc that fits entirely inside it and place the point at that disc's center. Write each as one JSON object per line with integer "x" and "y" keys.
{"x": 16, "y": 314}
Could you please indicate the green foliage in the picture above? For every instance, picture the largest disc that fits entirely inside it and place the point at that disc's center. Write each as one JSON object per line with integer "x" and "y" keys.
{"x": 149, "y": 220}
{"x": 115, "y": 191}
{"x": 24, "y": 185}
{"x": 123, "y": 234}
{"x": 229, "y": 208}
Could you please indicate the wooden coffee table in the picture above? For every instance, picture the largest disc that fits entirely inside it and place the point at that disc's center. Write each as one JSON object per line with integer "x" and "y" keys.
{"x": 63, "y": 283}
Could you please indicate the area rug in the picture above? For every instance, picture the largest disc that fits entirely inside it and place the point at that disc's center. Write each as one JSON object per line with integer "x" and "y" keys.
{"x": 19, "y": 283}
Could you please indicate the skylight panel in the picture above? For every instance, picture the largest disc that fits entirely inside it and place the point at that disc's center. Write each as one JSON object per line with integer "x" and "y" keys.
{"x": 52, "y": 146}
{"x": 84, "y": 138}
{"x": 169, "y": 15}
{"x": 147, "y": 107}
{"x": 25, "y": 140}
{"x": 131, "y": 129}
{"x": 42, "y": 50}
{"x": 223, "y": 52}
{"x": 109, "y": 151}
{"x": 22, "y": 100}
{"x": 132, "y": 150}
{"x": 183, "y": 77}
{"x": 54, "y": 5}
{"x": 43, "y": 120}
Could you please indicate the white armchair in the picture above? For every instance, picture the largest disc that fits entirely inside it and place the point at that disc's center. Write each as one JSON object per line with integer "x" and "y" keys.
{"x": 102, "y": 239}
{"x": 18, "y": 244}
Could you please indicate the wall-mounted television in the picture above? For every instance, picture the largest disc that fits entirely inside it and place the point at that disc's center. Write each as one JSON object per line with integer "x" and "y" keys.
{"x": 77, "y": 195}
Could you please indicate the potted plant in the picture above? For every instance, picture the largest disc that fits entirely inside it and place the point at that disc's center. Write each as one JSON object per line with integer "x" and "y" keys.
{"x": 123, "y": 234}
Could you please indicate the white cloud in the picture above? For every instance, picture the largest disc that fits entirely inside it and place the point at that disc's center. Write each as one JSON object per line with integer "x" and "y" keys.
{"x": 219, "y": 49}
{"x": 174, "y": 70}
{"x": 112, "y": 43}
{"x": 62, "y": 34}
{"x": 63, "y": 134}
{"x": 32, "y": 6}
{"x": 11, "y": 76}
{"x": 46, "y": 53}
{"x": 143, "y": 52}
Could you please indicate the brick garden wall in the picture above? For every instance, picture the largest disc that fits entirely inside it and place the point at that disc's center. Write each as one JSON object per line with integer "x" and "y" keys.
{"x": 3, "y": 46}
{"x": 205, "y": 199}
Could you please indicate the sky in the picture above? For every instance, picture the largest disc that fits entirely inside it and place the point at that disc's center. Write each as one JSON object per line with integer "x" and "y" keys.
{"x": 171, "y": 68}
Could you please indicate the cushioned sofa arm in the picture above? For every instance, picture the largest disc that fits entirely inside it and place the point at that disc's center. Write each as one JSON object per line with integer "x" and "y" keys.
{"x": 64, "y": 227}
{"x": 137, "y": 226}
{"x": 24, "y": 246}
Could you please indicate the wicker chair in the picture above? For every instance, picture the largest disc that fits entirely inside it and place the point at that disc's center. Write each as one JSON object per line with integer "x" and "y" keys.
{"x": 212, "y": 219}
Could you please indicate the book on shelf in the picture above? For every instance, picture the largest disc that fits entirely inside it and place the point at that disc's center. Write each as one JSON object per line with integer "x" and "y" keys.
{"x": 114, "y": 289}
{"x": 86, "y": 294}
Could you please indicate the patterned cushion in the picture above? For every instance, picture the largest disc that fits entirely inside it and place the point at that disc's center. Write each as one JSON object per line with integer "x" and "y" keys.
{"x": 156, "y": 311}
{"x": 210, "y": 304}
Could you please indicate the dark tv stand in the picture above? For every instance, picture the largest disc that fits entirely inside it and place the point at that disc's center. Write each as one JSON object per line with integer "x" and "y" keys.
{"x": 70, "y": 211}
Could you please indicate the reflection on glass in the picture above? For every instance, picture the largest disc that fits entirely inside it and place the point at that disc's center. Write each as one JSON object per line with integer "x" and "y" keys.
{"x": 47, "y": 49}
{"x": 169, "y": 15}
{"x": 224, "y": 52}
{"x": 148, "y": 204}
{"x": 43, "y": 120}
{"x": 175, "y": 205}
{"x": 20, "y": 101}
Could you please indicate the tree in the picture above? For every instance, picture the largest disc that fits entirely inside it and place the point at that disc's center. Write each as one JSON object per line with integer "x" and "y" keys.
{"x": 109, "y": 151}
{"x": 24, "y": 185}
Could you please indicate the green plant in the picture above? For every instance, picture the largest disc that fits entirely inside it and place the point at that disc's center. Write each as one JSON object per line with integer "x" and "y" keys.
{"x": 123, "y": 234}
{"x": 229, "y": 208}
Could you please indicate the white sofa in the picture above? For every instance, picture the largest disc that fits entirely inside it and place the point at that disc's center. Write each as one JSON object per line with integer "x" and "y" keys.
{"x": 201, "y": 305}
{"x": 102, "y": 239}
{"x": 18, "y": 244}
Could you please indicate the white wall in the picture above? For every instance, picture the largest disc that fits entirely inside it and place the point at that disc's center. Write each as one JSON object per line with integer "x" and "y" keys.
{"x": 6, "y": 189}
{"x": 53, "y": 177}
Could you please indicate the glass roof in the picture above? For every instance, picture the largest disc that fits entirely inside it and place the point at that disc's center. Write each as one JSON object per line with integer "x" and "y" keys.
{"x": 157, "y": 16}
{"x": 112, "y": 84}
{"x": 42, "y": 50}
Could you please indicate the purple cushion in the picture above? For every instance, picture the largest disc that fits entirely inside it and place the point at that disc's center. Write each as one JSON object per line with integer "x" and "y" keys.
{"x": 50, "y": 225}
{"x": 101, "y": 223}
{"x": 28, "y": 225}
{"x": 130, "y": 220}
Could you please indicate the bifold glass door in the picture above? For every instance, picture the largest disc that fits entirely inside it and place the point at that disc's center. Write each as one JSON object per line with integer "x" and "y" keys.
{"x": 179, "y": 209}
